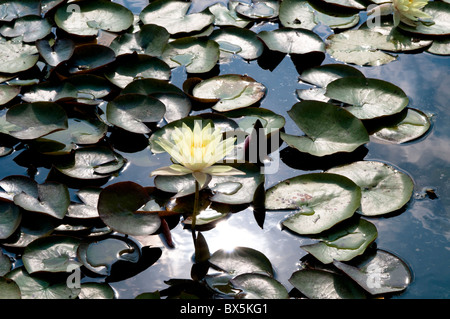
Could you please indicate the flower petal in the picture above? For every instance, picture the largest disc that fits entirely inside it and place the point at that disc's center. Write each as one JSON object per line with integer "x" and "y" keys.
{"x": 167, "y": 171}
{"x": 202, "y": 178}
{"x": 222, "y": 170}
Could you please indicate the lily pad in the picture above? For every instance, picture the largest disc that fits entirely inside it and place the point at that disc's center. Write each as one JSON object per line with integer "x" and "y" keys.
{"x": 197, "y": 55}
{"x": 241, "y": 260}
{"x": 5, "y": 264}
{"x": 51, "y": 254}
{"x": 90, "y": 87}
{"x": 93, "y": 162}
{"x": 133, "y": 66}
{"x": 343, "y": 242}
{"x": 89, "y": 57}
{"x": 119, "y": 207}
{"x": 322, "y": 284}
{"x": 18, "y": 8}
{"x": 88, "y": 207}
{"x": 8, "y": 92}
{"x": 10, "y": 217}
{"x": 344, "y": 133}
{"x": 16, "y": 56}
{"x": 348, "y": 4}
{"x": 440, "y": 14}
{"x": 227, "y": 15}
{"x": 242, "y": 42}
{"x": 384, "y": 189}
{"x": 292, "y": 41}
{"x": 178, "y": 105}
{"x": 96, "y": 290}
{"x": 440, "y": 47}
{"x": 247, "y": 117}
{"x": 9, "y": 289}
{"x": 173, "y": 15}
{"x": 55, "y": 51}
{"x": 319, "y": 201}
{"x": 369, "y": 98}
{"x": 37, "y": 288}
{"x": 87, "y": 18}
{"x": 131, "y": 112}
{"x": 259, "y": 9}
{"x": 379, "y": 272}
{"x": 50, "y": 92}
{"x": 29, "y": 28}
{"x": 233, "y": 91}
{"x": 258, "y": 286}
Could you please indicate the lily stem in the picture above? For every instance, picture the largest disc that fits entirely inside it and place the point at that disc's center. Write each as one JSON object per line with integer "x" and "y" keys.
{"x": 195, "y": 211}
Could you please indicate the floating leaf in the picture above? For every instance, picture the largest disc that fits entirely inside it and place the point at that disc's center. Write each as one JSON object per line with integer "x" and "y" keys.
{"x": 131, "y": 112}
{"x": 319, "y": 201}
{"x": 61, "y": 50}
{"x": 440, "y": 15}
{"x": 292, "y": 41}
{"x": 96, "y": 290}
{"x": 350, "y": 4}
{"x": 87, "y": 209}
{"x": 233, "y": 91}
{"x": 344, "y": 132}
{"x": 343, "y": 242}
{"x": 13, "y": 9}
{"x": 29, "y": 28}
{"x": 7, "y": 93}
{"x": 368, "y": 98}
{"x": 16, "y": 56}
{"x": 247, "y": 117}
{"x": 51, "y": 254}
{"x": 5, "y": 264}
{"x": 440, "y": 47}
{"x": 119, "y": 207}
{"x": 198, "y": 55}
{"x": 87, "y": 18}
{"x": 173, "y": 15}
{"x": 242, "y": 42}
{"x": 322, "y": 284}
{"x": 178, "y": 105}
{"x": 378, "y": 273}
{"x": 241, "y": 260}
{"x": 50, "y": 92}
{"x": 259, "y": 9}
{"x": 89, "y": 57}
{"x": 384, "y": 189}
{"x": 257, "y": 286}
{"x": 9, "y": 289}
{"x": 227, "y": 16}
{"x": 90, "y": 87}
{"x": 10, "y": 217}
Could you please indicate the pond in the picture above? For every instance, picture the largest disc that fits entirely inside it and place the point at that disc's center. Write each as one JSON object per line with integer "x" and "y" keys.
{"x": 417, "y": 233}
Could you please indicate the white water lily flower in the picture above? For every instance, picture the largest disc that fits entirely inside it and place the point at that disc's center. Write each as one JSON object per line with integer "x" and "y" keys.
{"x": 197, "y": 151}
{"x": 406, "y": 11}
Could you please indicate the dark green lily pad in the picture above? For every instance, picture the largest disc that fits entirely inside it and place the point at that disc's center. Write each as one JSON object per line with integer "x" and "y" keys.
{"x": 173, "y": 15}
{"x": 227, "y": 15}
{"x": 36, "y": 288}
{"x": 96, "y": 290}
{"x": 87, "y": 18}
{"x": 119, "y": 207}
{"x": 10, "y": 217}
{"x": 259, "y": 9}
{"x": 94, "y": 162}
{"x": 232, "y": 90}
{"x": 247, "y": 117}
{"x": 55, "y": 51}
{"x": 88, "y": 207}
{"x": 9, "y": 289}
{"x": 51, "y": 254}
{"x": 369, "y": 98}
{"x": 384, "y": 189}
{"x": 8, "y": 92}
{"x": 29, "y": 28}
{"x": 292, "y": 41}
{"x": 319, "y": 201}
{"x": 344, "y": 132}
{"x": 322, "y": 284}
{"x": 131, "y": 112}
{"x": 178, "y": 105}
{"x": 241, "y": 260}
{"x": 242, "y": 42}
{"x": 89, "y": 57}
{"x": 50, "y": 92}
{"x": 343, "y": 242}
{"x": 197, "y": 55}
{"x": 379, "y": 272}
{"x": 258, "y": 286}
{"x": 16, "y": 56}
{"x": 133, "y": 66}
{"x": 90, "y": 87}
{"x": 5, "y": 264}
{"x": 440, "y": 14}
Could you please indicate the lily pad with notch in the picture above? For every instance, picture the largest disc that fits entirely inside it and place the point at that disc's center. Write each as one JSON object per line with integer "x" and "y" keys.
{"x": 238, "y": 41}
{"x": 259, "y": 9}
{"x": 440, "y": 15}
{"x": 28, "y": 28}
{"x": 258, "y": 286}
{"x": 227, "y": 15}
{"x": 56, "y": 51}
{"x": 87, "y": 58}
{"x": 88, "y": 208}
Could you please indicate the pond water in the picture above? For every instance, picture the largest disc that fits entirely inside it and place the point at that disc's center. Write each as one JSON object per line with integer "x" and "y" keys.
{"x": 419, "y": 234}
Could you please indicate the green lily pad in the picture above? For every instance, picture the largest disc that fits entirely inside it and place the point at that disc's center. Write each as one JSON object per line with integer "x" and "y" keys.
{"x": 16, "y": 56}
{"x": 93, "y": 162}
{"x": 5, "y": 264}
{"x": 292, "y": 41}
{"x": 247, "y": 117}
{"x": 131, "y": 112}
{"x": 132, "y": 66}
{"x": 197, "y": 55}
{"x": 29, "y": 28}
{"x": 319, "y": 201}
{"x": 369, "y": 98}
{"x": 90, "y": 87}
{"x": 178, "y": 105}
{"x": 440, "y": 47}
{"x": 348, "y": 4}
{"x": 257, "y": 286}
{"x": 233, "y": 91}
{"x": 378, "y": 273}
{"x": 119, "y": 207}
{"x": 9, "y": 289}
{"x": 173, "y": 15}
{"x": 89, "y": 57}
{"x": 241, "y": 260}
{"x": 37, "y": 288}
{"x": 343, "y": 242}
{"x": 50, "y": 92}
{"x": 96, "y": 290}
{"x": 440, "y": 14}
{"x": 227, "y": 15}
{"x": 259, "y": 9}
{"x": 88, "y": 207}
{"x": 51, "y": 254}
{"x": 8, "y": 92}
{"x": 18, "y": 8}
{"x": 384, "y": 189}
{"x": 322, "y": 284}
{"x": 10, "y": 217}
{"x": 344, "y": 133}
{"x": 55, "y": 51}
{"x": 242, "y": 42}
{"x": 413, "y": 125}
{"x": 87, "y": 18}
